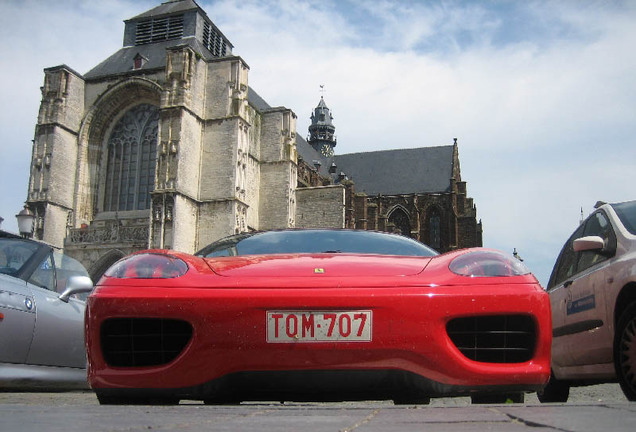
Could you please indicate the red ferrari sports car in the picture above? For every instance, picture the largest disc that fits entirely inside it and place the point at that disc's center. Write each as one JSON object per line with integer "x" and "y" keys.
{"x": 317, "y": 315}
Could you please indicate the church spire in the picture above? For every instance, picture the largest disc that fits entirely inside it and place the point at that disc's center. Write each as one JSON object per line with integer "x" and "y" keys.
{"x": 322, "y": 131}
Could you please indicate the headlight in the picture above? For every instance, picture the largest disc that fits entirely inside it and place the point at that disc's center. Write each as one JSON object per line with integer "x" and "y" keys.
{"x": 487, "y": 263}
{"x": 147, "y": 266}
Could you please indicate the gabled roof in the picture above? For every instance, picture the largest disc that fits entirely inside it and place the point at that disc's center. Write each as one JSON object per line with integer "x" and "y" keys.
{"x": 150, "y": 42}
{"x": 396, "y": 172}
{"x": 122, "y": 61}
{"x": 167, "y": 8}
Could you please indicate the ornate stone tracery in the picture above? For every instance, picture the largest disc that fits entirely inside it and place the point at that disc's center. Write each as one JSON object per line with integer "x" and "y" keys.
{"x": 92, "y": 140}
{"x": 132, "y": 150}
{"x": 399, "y": 220}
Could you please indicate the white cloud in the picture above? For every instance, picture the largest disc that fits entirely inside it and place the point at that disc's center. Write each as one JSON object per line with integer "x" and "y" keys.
{"x": 43, "y": 34}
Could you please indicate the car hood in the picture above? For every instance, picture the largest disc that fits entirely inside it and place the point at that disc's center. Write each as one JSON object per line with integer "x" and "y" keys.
{"x": 325, "y": 265}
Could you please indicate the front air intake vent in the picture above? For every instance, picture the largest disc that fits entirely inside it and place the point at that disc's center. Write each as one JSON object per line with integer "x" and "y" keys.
{"x": 139, "y": 342}
{"x": 494, "y": 339}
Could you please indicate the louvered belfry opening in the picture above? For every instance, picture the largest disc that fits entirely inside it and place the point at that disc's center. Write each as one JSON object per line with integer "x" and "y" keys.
{"x": 214, "y": 42}
{"x": 139, "y": 342}
{"x": 159, "y": 29}
{"x": 494, "y": 338}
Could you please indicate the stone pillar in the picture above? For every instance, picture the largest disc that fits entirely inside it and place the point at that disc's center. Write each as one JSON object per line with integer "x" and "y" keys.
{"x": 278, "y": 179}
{"x": 54, "y": 155}
{"x": 360, "y": 206}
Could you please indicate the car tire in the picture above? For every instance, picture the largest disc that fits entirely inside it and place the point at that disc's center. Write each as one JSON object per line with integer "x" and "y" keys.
{"x": 554, "y": 391}
{"x": 497, "y": 398}
{"x": 412, "y": 401}
{"x": 111, "y": 399}
{"x": 218, "y": 401}
{"x": 625, "y": 352}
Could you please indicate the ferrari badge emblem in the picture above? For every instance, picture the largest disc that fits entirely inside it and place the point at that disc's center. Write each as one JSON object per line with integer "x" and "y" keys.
{"x": 319, "y": 270}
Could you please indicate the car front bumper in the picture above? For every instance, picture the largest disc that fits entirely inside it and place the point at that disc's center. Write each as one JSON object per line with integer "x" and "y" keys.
{"x": 409, "y": 343}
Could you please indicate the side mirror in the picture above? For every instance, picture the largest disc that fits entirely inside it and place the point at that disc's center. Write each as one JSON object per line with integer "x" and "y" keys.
{"x": 76, "y": 285}
{"x": 589, "y": 243}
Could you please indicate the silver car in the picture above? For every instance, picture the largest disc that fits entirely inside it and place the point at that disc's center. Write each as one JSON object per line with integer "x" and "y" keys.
{"x": 593, "y": 297}
{"x": 41, "y": 316}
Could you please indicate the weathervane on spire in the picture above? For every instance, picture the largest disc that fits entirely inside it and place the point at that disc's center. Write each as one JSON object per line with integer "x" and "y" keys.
{"x": 322, "y": 90}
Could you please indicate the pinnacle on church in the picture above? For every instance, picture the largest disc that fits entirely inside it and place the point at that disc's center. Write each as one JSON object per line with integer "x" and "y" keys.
{"x": 321, "y": 114}
{"x": 322, "y": 130}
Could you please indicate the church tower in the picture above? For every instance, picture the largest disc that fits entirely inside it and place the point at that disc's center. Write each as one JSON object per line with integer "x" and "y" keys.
{"x": 322, "y": 131}
{"x": 161, "y": 145}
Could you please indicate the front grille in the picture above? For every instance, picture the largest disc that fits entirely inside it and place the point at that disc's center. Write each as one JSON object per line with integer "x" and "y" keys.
{"x": 138, "y": 342}
{"x": 494, "y": 339}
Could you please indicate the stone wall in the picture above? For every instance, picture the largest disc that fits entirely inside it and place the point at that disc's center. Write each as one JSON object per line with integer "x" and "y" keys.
{"x": 320, "y": 207}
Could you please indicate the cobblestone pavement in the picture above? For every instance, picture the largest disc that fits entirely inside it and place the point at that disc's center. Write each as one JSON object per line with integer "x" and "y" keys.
{"x": 603, "y": 393}
{"x": 592, "y": 409}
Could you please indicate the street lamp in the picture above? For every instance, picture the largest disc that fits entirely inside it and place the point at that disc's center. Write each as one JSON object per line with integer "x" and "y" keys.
{"x": 25, "y": 222}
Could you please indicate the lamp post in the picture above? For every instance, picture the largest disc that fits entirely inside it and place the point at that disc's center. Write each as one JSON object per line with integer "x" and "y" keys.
{"x": 25, "y": 222}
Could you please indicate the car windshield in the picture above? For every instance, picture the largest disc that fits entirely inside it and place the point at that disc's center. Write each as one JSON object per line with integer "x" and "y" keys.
{"x": 627, "y": 214}
{"x": 14, "y": 253}
{"x": 317, "y": 241}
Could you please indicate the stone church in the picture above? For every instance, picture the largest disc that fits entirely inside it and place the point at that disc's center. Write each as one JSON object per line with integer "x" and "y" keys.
{"x": 165, "y": 145}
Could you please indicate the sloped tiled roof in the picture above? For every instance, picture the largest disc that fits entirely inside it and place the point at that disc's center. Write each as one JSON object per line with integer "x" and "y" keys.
{"x": 155, "y": 54}
{"x": 396, "y": 172}
{"x": 256, "y": 100}
{"x": 167, "y": 8}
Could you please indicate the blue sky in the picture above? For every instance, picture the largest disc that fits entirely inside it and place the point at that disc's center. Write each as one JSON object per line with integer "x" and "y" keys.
{"x": 540, "y": 94}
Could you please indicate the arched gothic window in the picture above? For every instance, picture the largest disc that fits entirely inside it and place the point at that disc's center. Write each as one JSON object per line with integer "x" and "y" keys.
{"x": 132, "y": 154}
{"x": 434, "y": 230}
{"x": 400, "y": 220}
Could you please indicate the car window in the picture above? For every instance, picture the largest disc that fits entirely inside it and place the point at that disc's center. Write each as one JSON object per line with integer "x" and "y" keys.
{"x": 597, "y": 225}
{"x": 317, "y": 241}
{"x": 44, "y": 275}
{"x": 224, "y": 247}
{"x": 565, "y": 266}
{"x": 627, "y": 214}
{"x": 66, "y": 267}
{"x": 222, "y": 250}
{"x": 14, "y": 254}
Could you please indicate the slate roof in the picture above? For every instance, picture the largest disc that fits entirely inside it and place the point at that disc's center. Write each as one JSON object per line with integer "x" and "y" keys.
{"x": 256, "y": 100}
{"x": 396, "y": 172}
{"x": 169, "y": 7}
{"x": 155, "y": 53}
{"x": 122, "y": 61}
